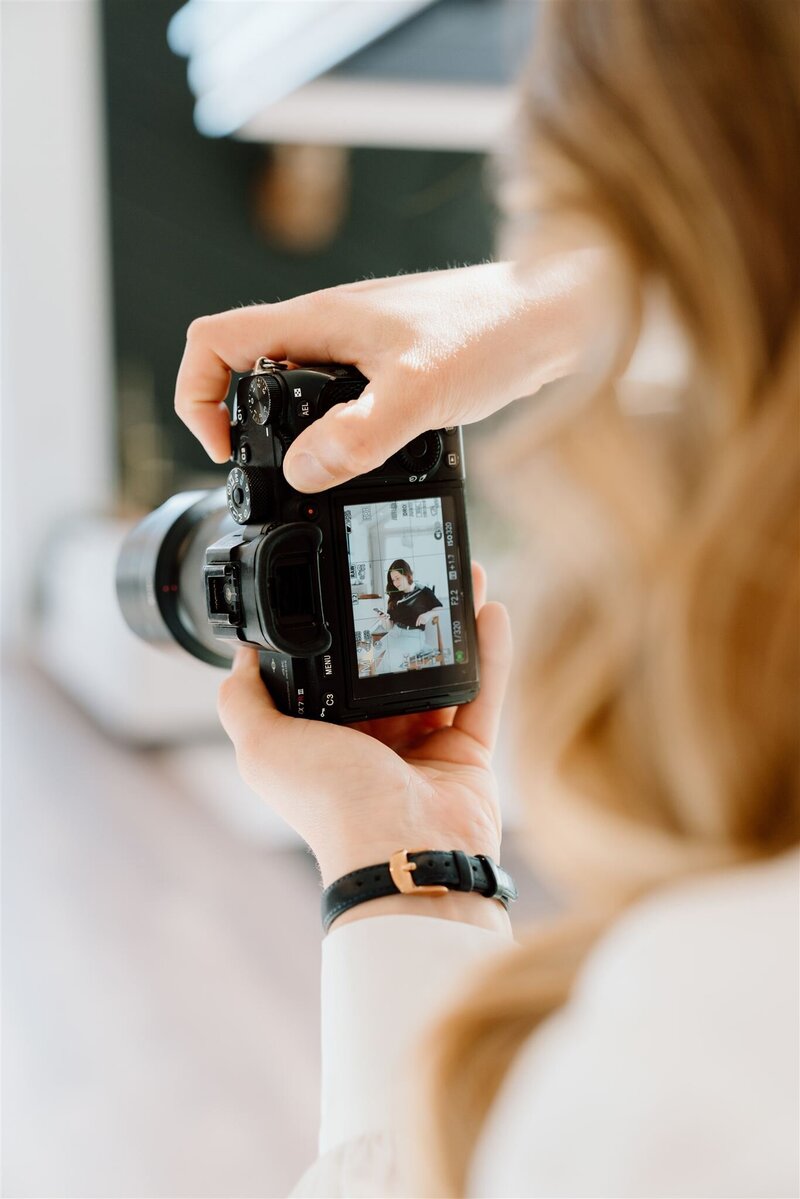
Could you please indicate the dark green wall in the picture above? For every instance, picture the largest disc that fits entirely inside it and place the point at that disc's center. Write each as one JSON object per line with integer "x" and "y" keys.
{"x": 182, "y": 241}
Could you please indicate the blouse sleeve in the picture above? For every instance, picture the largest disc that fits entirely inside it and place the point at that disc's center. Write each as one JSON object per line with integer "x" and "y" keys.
{"x": 384, "y": 979}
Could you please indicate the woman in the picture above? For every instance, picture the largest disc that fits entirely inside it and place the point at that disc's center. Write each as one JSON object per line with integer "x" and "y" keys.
{"x": 645, "y": 1043}
{"x": 409, "y": 606}
{"x": 410, "y": 611}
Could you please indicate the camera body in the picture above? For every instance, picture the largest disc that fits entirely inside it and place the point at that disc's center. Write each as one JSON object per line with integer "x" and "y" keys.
{"x": 305, "y": 577}
{"x": 359, "y": 599}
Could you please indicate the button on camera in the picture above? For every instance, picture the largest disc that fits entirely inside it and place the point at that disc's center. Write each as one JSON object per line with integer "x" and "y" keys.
{"x": 422, "y": 455}
{"x": 262, "y": 398}
{"x": 247, "y": 495}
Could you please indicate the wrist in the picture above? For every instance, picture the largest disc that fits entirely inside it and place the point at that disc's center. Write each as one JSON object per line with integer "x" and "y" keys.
{"x": 478, "y": 905}
{"x": 466, "y": 908}
{"x": 355, "y": 855}
{"x": 522, "y": 324}
{"x": 556, "y": 317}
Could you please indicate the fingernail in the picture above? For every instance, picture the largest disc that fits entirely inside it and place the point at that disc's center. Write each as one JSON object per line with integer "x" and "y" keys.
{"x": 306, "y": 473}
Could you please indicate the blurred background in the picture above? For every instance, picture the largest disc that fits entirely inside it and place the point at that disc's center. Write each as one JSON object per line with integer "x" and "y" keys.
{"x": 160, "y": 928}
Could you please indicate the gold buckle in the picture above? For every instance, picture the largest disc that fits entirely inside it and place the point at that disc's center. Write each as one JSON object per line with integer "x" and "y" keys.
{"x": 400, "y": 869}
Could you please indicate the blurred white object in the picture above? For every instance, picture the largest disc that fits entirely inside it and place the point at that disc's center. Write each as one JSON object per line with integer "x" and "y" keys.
{"x": 142, "y": 694}
{"x": 207, "y": 772}
{"x": 245, "y": 55}
{"x": 57, "y": 363}
{"x": 397, "y": 114}
{"x": 137, "y": 691}
{"x": 415, "y": 74}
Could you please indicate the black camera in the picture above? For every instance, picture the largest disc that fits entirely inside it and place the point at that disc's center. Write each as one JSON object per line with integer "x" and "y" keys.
{"x": 359, "y": 599}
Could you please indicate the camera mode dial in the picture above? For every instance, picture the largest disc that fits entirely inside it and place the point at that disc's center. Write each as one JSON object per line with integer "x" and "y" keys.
{"x": 247, "y": 495}
{"x": 423, "y": 454}
{"x": 262, "y": 399}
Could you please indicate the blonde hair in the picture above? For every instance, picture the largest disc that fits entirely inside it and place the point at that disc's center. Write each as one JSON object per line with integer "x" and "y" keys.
{"x": 660, "y": 735}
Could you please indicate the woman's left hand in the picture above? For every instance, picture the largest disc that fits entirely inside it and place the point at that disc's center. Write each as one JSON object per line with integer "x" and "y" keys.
{"x": 358, "y": 793}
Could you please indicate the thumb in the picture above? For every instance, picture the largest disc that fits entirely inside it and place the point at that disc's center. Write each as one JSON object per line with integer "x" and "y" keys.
{"x": 353, "y": 438}
{"x": 481, "y": 718}
{"x": 246, "y": 709}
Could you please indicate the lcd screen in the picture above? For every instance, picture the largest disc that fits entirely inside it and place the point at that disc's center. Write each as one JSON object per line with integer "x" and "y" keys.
{"x": 405, "y": 586}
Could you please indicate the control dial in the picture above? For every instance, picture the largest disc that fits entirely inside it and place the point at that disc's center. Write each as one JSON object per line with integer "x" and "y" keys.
{"x": 263, "y": 396}
{"x": 247, "y": 495}
{"x": 423, "y": 454}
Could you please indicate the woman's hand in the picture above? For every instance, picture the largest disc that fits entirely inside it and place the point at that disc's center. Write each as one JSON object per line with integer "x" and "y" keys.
{"x": 425, "y": 618}
{"x": 440, "y": 348}
{"x": 357, "y": 794}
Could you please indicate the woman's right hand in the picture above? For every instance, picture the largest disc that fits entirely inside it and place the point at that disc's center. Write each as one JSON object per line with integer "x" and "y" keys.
{"x": 440, "y": 348}
{"x": 424, "y": 618}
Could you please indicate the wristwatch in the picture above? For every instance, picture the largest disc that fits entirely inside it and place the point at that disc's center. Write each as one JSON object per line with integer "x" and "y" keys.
{"x": 418, "y": 872}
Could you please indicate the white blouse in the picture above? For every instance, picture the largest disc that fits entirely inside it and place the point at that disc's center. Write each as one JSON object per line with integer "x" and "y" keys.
{"x": 673, "y": 1070}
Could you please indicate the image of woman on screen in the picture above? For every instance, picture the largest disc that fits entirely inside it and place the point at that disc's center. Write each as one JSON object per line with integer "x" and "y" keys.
{"x": 410, "y": 606}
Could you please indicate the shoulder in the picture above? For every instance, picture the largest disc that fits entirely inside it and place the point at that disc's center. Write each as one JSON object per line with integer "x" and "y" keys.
{"x": 672, "y": 1070}
{"x": 725, "y": 928}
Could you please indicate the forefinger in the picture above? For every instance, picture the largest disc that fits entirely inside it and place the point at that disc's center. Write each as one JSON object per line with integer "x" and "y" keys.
{"x": 232, "y": 341}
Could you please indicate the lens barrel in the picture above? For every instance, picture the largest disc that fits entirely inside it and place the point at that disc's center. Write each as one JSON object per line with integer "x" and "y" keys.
{"x": 160, "y": 585}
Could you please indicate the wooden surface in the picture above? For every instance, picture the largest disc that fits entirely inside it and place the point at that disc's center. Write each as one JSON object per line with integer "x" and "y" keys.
{"x": 160, "y": 971}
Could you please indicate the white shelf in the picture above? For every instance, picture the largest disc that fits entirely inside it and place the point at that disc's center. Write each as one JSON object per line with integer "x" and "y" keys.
{"x": 373, "y": 112}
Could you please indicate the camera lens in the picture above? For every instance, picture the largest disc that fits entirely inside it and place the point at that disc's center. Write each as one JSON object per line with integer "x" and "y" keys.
{"x": 160, "y": 583}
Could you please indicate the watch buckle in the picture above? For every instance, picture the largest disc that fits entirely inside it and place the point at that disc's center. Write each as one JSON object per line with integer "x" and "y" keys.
{"x": 401, "y": 871}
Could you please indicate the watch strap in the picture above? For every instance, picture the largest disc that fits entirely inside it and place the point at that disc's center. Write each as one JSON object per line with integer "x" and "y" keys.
{"x": 418, "y": 872}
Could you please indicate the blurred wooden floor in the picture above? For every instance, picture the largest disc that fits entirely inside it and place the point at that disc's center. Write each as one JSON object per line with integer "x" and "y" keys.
{"x": 160, "y": 976}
